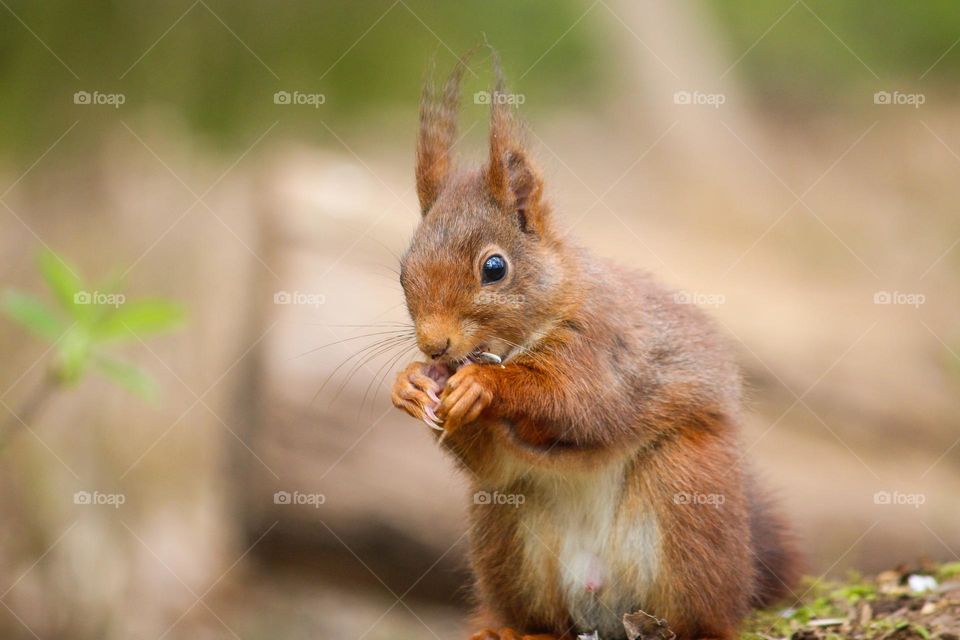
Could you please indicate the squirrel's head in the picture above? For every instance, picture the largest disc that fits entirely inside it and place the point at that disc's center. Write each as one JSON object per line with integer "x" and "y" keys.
{"x": 484, "y": 271}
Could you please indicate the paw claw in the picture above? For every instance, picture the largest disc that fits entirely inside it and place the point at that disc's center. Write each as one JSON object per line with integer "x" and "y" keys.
{"x": 431, "y": 424}
{"x": 432, "y": 420}
{"x": 416, "y": 393}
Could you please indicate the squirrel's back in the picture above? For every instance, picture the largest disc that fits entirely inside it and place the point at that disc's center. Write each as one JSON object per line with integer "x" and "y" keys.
{"x": 681, "y": 342}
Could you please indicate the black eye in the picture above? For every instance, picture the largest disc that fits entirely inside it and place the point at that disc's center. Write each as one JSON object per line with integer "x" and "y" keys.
{"x": 494, "y": 268}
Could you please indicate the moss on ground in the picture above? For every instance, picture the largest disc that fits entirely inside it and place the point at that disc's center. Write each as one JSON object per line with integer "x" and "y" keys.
{"x": 915, "y": 603}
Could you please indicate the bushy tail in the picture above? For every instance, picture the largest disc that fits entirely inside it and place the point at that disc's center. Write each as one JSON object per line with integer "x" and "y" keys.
{"x": 777, "y": 559}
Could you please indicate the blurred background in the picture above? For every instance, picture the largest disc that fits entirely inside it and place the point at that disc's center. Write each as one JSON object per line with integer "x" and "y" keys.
{"x": 791, "y": 166}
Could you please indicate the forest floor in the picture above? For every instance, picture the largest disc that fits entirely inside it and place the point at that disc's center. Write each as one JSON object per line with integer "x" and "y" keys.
{"x": 908, "y": 603}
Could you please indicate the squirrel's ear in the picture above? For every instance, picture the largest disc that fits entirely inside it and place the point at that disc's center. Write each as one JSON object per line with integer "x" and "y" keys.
{"x": 438, "y": 130}
{"x": 511, "y": 177}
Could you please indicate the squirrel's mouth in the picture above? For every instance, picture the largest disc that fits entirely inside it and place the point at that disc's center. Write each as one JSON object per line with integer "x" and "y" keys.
{"x": 440, "y": 372}
{"x": 479, "y": 355}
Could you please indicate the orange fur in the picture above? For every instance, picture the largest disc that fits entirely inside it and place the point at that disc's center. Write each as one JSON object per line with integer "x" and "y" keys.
{"x": 614, "y": 414}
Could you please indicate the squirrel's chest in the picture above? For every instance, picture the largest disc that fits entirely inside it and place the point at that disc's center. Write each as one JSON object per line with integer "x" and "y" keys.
{"x": 591, "y": 544}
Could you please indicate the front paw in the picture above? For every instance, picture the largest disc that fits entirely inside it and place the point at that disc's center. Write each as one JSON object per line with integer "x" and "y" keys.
{"x": 467, "y": 394}
{"x": 415, "y": 391}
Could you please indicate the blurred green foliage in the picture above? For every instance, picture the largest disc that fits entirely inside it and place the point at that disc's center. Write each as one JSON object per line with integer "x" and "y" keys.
{"x": 86, "y": 322}
{"x": 816, "y": 51}
{"x": 216, "y": 64}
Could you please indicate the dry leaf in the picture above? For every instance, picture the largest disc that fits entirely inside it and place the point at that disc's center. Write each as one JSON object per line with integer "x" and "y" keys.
{"x": 643, "y": 626}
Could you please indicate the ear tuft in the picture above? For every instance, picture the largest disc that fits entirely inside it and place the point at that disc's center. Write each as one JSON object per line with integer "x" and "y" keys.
{"x": 511, "y": 178}
{"x": 438, "y": 131}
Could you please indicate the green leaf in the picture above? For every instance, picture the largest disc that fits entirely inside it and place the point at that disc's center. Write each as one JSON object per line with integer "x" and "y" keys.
{"x": 139, "y": 319}
{"x": 31, "y": 313}
{"x": 948, "y": 571}
{"x": 130, "y": 377}
{"x": 74, "y": 355}
{"x": 921, "y": 630}
{"x": 62, "y": 280}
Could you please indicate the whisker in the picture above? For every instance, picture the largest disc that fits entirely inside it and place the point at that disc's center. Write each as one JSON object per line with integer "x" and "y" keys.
{"x": 385, "y": 368}
{"x": 377, "y": 373}
{"x": 375, "y": 265}
{"x": 367, "y": 335}
{"x": 389, "y": 250}
{"x": 375, "y": 345}
{"x": 385, "y": 347}
{"x": 388, "y": 369}
{"x": 391, "y": 279}
{"x": 524, "y": 350}
{"x": 406, "y": 323}
{"x": 380, "y": 325}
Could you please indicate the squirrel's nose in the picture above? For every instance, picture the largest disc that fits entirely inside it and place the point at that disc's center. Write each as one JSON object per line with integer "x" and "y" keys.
{"x": 436, "y": 351}
{"x": 435, "y": 335}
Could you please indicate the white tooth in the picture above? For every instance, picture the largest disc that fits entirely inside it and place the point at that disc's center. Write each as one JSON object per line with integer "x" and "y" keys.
{"x": 491, "y": 357}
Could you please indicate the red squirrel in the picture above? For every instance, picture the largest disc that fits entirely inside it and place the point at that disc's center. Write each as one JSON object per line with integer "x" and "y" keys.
{"x": 595, "y": 415}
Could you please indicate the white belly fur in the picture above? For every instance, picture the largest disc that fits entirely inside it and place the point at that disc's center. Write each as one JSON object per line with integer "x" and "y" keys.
{"x": 604, "y": 558}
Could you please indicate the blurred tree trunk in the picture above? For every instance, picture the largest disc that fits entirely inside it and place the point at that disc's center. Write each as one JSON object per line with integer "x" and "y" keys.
{"x": 673, "y": 46}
